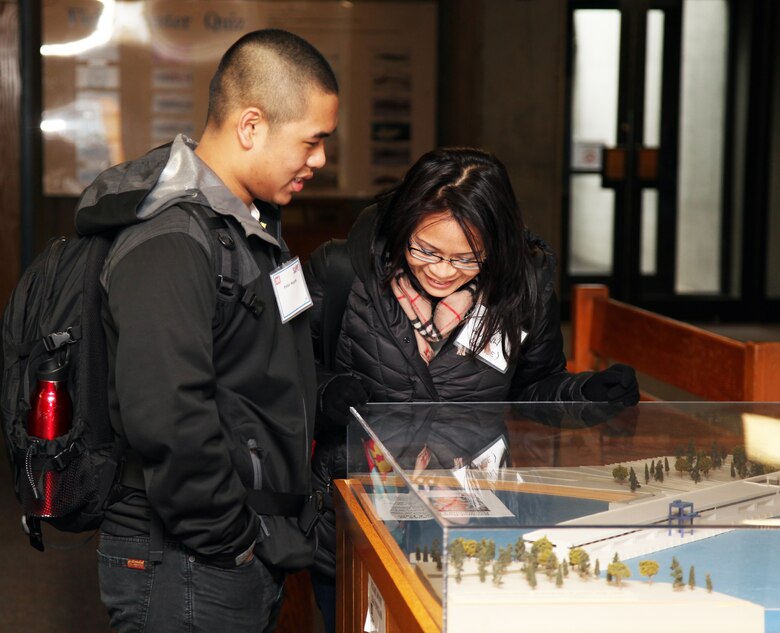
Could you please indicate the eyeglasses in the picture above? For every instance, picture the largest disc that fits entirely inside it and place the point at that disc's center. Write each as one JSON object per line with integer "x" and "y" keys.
{"x": 433, "y": 258}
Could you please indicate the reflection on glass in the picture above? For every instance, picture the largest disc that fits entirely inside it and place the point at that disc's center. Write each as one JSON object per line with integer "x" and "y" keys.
{"x": 596, "y": 506}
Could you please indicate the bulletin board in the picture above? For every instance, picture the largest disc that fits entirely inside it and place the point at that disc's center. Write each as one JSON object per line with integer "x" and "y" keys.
{"x": 122, "y": 77}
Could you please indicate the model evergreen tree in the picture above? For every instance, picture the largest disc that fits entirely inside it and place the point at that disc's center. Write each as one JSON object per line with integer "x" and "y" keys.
{"x": 559, "y": 577}
{"x": 666, "y": 464}
{"x": 647, "y": 474}
{"x": 708, "y": 583}
{"x": 530, "y": 574}
{"x": 519, "y": 550}
{"x": 633, "y": 481}
{"x": 659, "y": 472}
{"x": 456, "y": 557}
{"x": 597, "y": 569}
{"x": 692, "y": 579}
{"x": 482, "y": 565}
{"x": 677, "y": 574}
{"x": 733, "y": 471}
{"x": 501, "y": 564}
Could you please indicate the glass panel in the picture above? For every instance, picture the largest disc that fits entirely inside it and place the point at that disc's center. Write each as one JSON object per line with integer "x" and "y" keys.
{"x": 648, "y": 262}
{"x": 653, "y": 70}
{"x": 773, "y": 248}
{"x": 699, "y": 203}
{"x": 554, "y": 513}
{"x": 592, "y": 220}
{"x": 594, "y": 116}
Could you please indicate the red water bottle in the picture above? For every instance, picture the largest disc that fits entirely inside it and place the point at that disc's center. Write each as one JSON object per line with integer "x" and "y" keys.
{"x": 51, "y": 415}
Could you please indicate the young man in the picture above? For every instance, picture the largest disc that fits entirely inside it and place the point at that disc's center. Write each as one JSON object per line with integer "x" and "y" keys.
{"x": 213, "y": 390}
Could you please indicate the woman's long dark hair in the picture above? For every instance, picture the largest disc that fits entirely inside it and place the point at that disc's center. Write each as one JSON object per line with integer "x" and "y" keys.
{"x": 474, "y": 187}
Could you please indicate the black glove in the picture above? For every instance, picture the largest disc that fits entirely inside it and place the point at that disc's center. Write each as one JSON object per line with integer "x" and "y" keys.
{"x": 341, "y": 393}
{"x": 616, "y": 384}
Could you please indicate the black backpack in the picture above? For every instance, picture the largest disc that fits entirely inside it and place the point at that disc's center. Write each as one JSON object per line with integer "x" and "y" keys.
{"x": 53, "y": 319}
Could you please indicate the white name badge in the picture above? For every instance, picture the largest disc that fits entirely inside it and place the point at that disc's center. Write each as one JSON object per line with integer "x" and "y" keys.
{"x": 493, "y": 354}
{"x": 292, "y": 294}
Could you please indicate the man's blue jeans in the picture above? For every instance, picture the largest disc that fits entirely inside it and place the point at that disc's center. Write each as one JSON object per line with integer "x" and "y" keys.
{"x": 182, "y": 594}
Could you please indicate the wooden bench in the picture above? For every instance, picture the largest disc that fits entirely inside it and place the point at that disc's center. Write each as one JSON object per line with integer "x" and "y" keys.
{"x": 704, "y": 364}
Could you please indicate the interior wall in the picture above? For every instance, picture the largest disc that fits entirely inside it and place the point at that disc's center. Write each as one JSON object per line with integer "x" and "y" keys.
{"x": 523, "y": 99}
{"x": 10, "y": 89}
{"x": 502, "y": 87}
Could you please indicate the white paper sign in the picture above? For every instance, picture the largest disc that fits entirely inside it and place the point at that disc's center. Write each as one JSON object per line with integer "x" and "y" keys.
{"x": 292, "y": 294}
{"x": 376, "y": 617}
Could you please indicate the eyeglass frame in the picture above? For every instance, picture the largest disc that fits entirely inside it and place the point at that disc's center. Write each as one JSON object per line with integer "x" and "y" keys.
{"x": 433, "y": 258}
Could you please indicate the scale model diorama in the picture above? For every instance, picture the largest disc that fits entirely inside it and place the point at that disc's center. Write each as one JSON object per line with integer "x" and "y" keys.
{"x": 670, "y": 550}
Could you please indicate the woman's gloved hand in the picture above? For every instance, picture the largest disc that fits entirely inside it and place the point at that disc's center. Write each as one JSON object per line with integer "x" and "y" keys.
{"x": 616, "y": 384}
{"x": 339, "y": 394}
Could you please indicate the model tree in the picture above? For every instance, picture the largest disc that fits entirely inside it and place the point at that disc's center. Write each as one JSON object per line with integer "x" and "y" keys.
{"x": 677, "y": 575}
{"x": 733, "y": 471}
{"x": 456, "y": 557}
{"x": 565, "y": 567}
{"x": 482, "y": 563}
{"x": 666, "y": 464}
{"x": 618, "y": 570}
{"x": 647, "y": 474}
{"x": 692, "y": 579}
{"x": 597, "y": 569}
{"x": 530, "y": 573}
{"x": 559, "y": 577}
{"x": 541, "y": 549}
{"x": 620, "y": 473}
{"x": 519, "y": 550}
{"x": 659, "y": 472}
{"x": 501, "y": 564}
{"x": 708, "y": 583}
{"x": 705, "y": 465}
{"x": 633, "y": 481}
{"x": 579, "y": 560}
{"x": 648, "y": 568}
{"x": 682, "y": 465}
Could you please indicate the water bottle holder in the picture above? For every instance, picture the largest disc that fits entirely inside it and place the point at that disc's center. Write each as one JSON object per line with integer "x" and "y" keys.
{"x": 47, "y": 492}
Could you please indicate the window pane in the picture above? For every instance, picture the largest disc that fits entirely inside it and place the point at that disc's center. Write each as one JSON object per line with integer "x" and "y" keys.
{"x": 705, "y": 37}
{"x": 592, "y": 213}
{"x": 653, "y": 69}
{"x": 594, "y": 116}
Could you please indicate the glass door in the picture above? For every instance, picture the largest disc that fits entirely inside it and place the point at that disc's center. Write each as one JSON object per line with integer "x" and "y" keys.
{"x": 644, "y": 206}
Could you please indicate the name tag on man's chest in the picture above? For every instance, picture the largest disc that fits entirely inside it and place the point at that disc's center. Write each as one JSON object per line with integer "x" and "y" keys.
{"x": 292, "y": 294}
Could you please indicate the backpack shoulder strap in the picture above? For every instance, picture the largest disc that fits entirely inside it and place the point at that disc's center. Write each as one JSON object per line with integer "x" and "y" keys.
{"x": 224, "y": 258}
{"x": 338, "y": 283}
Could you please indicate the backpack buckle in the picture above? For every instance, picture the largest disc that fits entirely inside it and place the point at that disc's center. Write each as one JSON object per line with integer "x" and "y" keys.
{"x": 55, "y": 340}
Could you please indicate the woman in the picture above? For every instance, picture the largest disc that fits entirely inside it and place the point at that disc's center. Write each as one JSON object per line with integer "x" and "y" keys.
{"x": 444, "y": 247}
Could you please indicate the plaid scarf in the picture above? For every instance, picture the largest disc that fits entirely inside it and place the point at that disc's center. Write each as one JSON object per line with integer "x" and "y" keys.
{"x": 432, "y": 324}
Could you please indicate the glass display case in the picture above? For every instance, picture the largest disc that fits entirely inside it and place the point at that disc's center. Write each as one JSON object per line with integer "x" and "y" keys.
{"x": 570, "y": 516}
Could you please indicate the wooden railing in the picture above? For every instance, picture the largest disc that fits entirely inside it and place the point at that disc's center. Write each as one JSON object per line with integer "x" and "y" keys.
{"x": 707, "y": 365}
